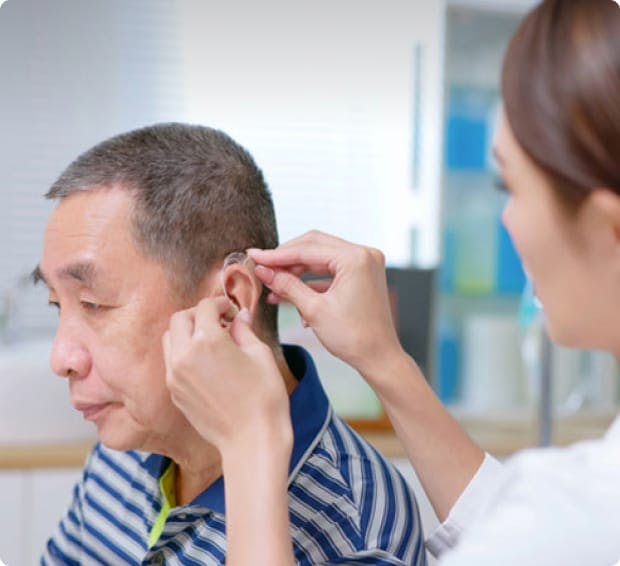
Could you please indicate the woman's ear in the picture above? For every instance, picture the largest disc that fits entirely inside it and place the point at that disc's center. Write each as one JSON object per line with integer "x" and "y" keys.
{"x": 607, "y": 202}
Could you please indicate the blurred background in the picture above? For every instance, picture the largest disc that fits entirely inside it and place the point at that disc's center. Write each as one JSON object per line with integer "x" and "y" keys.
{"x": 371, "y": 120}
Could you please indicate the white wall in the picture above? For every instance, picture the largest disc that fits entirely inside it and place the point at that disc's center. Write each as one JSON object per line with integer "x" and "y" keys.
{"x": 33, "y": 501}
{"x": 324, "y": 94}
{"x": 72, "y": 73}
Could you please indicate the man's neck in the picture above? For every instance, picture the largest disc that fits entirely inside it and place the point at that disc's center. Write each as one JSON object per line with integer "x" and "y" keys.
{"x": 290, "y": 381}
{"x": 199, "y": 464}
{"x": 190, "y": 483}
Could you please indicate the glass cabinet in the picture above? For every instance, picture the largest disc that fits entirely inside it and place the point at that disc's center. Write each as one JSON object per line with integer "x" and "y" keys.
{"x": 487, "y": 364}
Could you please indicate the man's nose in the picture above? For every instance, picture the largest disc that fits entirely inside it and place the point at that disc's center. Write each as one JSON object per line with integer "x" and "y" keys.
{"x": 69, "y": 357}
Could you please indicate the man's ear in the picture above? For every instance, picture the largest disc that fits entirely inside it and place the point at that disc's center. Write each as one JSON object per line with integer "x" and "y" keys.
{"x": 241, "y": 286}
{"x": 607, "y": 203}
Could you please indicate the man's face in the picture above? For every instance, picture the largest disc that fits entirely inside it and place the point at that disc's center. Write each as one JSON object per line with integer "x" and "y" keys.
{"x": 114, "y": 305}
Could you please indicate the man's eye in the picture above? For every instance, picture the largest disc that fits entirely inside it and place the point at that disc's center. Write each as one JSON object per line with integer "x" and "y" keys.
{"x": 91, "y": 306}
{"x": 54, "y": 304}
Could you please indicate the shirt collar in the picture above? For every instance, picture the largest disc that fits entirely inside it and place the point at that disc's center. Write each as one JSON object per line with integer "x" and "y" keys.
{"x": 310, "y": 412}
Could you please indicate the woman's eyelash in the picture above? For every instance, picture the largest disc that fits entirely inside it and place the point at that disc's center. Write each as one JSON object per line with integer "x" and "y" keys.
{"x": 500, "y": 185}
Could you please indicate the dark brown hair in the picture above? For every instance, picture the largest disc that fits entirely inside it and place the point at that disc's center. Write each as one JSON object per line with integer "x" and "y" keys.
{"x": 561, "y": 90}
{"x": 198, "y": 196}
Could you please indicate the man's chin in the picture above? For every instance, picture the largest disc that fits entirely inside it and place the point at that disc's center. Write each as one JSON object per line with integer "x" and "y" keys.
{"x": 120, "y": 436}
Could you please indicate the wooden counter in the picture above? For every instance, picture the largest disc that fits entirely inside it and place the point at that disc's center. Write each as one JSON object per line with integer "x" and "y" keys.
{"x": 44, "y": 456}
{"x": 499, "y": 435}
{"x": 502, "y": 435}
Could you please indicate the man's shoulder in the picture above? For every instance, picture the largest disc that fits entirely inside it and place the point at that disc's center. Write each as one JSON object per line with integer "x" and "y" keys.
{"x": 345, "y": 466}
{"x": 342, "y": 447}
{"x": 357, "y": 496}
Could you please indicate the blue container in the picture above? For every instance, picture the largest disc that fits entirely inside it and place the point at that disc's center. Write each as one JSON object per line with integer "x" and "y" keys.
{"x": 468, "y": 130}
{"x": 466, "y": 143}
{"x": 448, "y": 384}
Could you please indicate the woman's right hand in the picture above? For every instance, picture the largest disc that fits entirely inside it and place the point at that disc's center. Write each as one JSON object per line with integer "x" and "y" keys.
{"x": 350, "y": 314}
{"x": 350, "y": 310}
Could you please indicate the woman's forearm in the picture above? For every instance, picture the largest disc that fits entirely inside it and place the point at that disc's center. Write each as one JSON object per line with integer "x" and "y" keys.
{"x": 441, "y": 452}
{"x": 257, "y": 519}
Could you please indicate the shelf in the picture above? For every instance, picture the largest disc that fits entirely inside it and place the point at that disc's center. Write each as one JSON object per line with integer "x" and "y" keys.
{"x": 511, "y": 7}
{"x": 503, "y": 435}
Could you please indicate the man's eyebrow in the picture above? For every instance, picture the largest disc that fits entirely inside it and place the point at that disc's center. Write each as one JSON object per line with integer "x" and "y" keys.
{"x": 82, "y": 271}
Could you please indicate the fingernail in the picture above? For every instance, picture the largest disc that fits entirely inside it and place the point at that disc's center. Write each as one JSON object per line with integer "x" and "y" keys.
{"x": 245, "y": 315}
{"x": 251, "y": 250}
{"x": 265, "y": 273}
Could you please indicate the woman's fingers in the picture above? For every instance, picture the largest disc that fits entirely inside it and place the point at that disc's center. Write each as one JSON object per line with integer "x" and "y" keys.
{"x": 208, "y": 318}
{"x": 200, "y": 324}
{"x": 224, "y": 380}
{"x": 242, "y": 333}
{"x": 349, "y": 312}
{"x": 181, "y": 328}
{"x": 315, "y": 258}
{"x": 319, "y": 286}
{"x": 288, "y": 287}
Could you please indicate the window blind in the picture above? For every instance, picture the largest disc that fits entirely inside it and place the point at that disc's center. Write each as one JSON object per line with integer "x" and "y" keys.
{"x": 72, "y": 72}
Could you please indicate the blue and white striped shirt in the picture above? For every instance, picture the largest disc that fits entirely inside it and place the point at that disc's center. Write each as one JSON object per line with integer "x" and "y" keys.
{"x": 347, "y": 504}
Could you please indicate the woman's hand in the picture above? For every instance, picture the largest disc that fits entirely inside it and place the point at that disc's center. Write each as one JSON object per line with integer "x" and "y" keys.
{"x": 227, "y": 383}
{"x": 350, "y": 311}
{"x": 225, "y": 380}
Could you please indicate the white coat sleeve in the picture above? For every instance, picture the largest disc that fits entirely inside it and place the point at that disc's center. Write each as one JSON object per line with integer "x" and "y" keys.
{"x": 481, "y": 488}
{"x": 552, "y": 506}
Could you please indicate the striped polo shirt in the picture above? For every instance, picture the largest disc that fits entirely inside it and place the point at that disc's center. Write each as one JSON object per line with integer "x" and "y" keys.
{"x": 347, "y": 504}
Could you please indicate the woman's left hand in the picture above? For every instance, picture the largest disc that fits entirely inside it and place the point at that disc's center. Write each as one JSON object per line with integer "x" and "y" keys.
{"x": 228, "y": 385}
{"x": 225, "y": 380}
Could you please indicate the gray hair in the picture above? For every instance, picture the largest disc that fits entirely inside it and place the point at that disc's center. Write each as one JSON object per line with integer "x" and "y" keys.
{"x": 198, "y": 196}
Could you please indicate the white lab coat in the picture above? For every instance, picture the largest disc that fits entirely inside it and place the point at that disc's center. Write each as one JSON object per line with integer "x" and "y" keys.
{"x": 555, "y": 506}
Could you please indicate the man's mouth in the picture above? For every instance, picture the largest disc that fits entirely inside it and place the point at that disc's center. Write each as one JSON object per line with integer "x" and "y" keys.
{"x": 91, "y": 412}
